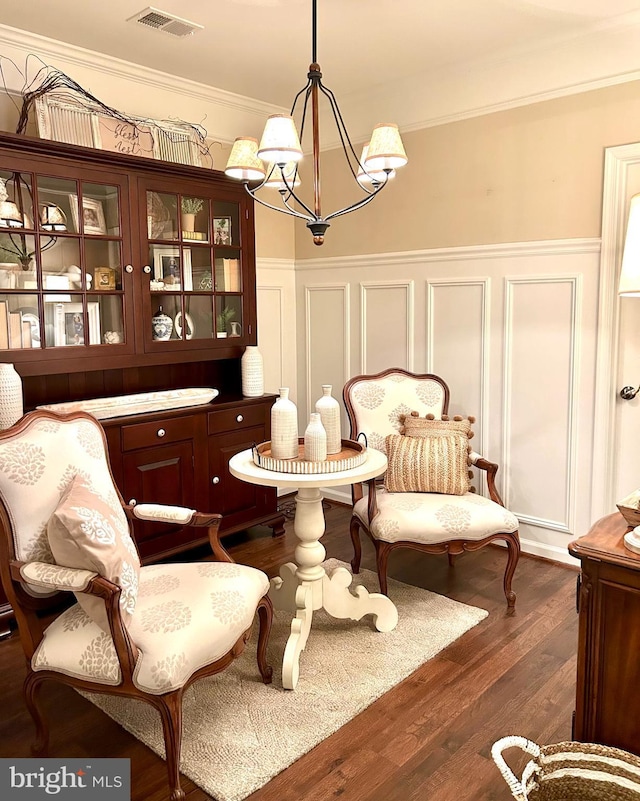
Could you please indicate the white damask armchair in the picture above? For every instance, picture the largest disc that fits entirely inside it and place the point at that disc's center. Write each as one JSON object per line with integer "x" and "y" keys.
{"x": 425, "y": 521}
{"x": 144, "y": 632}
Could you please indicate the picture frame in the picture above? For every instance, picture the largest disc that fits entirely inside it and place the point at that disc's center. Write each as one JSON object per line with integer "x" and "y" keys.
{"x": 92, "y": 215}
{"x": 68, "y": 328}
{"x": 104, "y": 278}
{"x": 222, "y": 230}
{"x": 166, "y": 265}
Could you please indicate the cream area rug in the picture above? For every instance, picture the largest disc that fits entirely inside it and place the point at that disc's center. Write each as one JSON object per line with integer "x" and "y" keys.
{"x": 239, "y": 733}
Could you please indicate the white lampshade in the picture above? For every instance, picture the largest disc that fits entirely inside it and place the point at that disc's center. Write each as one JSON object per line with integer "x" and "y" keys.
{"x": 386, "y": 151}
{"x": 630, "y": 273}
{"x": 274, "y": 175}
{"x": 243, "y": 163}
{"x": 280, "y": 142}
{"x": 10, "y": 215}
{"x": 365, "y": 176}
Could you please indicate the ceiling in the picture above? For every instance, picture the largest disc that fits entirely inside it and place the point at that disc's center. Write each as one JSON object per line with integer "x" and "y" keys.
{"x": 262, "y": 48}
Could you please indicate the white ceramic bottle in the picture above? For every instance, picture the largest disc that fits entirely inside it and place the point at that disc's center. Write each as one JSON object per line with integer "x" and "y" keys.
{"x": 284, "y": 427}
{"x": 315, "y": 440}
{"x": 10, "y": 396}
{"x": 251, "y": 366}
{"x": 329, "y": 410}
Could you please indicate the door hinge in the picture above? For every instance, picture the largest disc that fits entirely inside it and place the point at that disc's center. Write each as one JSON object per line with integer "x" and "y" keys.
{"x": 578, "y": 588}
{"x": 249, "y": 329}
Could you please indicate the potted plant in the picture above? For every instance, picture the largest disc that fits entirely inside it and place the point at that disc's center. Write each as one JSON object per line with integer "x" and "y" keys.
{"x": 190, "y": 207}
{"x": 223, "y": 319}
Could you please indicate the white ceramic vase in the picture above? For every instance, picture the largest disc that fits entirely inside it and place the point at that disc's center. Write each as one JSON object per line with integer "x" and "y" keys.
{"x": 284, "y": 427}
{"x": 329, "y": 410}
{"x": 10, "y": 396}
{"x": 315, "y": 440}
{"x": 251, "y": 366}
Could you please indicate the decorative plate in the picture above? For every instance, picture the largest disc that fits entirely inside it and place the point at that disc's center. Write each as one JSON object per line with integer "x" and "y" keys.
{"x": 104, "y": 408}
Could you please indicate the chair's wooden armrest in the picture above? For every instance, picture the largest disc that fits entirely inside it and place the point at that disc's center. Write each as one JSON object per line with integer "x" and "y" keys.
{"x": 490, "y": 468}
{"x": 52, "y": 577}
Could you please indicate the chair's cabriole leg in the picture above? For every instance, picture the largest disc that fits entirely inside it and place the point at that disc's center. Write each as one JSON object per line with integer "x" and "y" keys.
{"x": 354, "y": 530}
{"x": 513, "y": 549}
{"x": 170, "y": 708}
{"x": 31, "y": 691}
{"x": 383, "y": 549}
{"x": 265, "y": 614}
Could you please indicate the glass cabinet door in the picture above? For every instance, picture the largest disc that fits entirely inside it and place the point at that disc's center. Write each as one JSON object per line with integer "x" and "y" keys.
{"x": 62, "y": 258}
{"x": 195, "y": 268}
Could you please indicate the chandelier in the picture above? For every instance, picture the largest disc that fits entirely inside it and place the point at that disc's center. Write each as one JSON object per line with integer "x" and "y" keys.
{"x": 16, "y": 204}
{"x": 280, "y": 151}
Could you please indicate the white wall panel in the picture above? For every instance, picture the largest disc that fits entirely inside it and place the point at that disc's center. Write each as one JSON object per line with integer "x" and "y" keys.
{"x": 327, "y": 340}
{"x": 541, "y": 344}
{"x": 386, "y": 325}
{"x": 270, "y": 327}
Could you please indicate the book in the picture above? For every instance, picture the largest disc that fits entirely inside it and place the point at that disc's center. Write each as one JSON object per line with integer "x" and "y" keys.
{"x": 4, "y": 325}
{"x": 26, "y": 334}
{"x": 15, "y": 329}
{"x": 231, "y": 269}
{"x": 197, "y": 235}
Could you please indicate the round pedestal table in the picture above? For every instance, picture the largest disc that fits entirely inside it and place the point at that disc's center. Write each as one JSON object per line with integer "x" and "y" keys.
{"x": 304, "y": 586}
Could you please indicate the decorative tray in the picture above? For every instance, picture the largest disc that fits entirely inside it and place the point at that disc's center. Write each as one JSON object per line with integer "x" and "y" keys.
{"x": 352, "y": 454}
{"x": 103, "y": 408}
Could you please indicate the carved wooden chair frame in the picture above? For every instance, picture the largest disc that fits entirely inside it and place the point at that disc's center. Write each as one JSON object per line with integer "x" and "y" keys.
{"x": 31, "y": 629}
{"x": 451, "y": 547}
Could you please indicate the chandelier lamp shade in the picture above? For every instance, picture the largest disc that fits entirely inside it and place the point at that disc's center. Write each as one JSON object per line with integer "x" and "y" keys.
{"x": 273, "y": 162}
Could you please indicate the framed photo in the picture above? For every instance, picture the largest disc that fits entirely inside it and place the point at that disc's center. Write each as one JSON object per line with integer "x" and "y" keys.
{"x": 104, "y": 278}
{"x": 166, "y": 268}
{"x": 69, "y": 324}
{"x": 92, "y": 215}
{"x": 222, "y": 230}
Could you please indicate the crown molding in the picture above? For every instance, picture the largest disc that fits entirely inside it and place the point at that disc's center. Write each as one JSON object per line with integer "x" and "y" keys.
{"x": 16, "y": 43}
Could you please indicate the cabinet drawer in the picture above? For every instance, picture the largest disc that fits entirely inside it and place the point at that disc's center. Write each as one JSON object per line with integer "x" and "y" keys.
{"x": 142, "y": 435}
{"x": 232, "y": 419}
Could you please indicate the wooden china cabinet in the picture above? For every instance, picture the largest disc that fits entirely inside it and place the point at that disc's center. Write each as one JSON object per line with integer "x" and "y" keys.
{"x": 121, "y": 274}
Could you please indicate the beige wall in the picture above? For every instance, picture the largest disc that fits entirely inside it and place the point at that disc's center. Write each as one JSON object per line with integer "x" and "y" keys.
{"x": 529, "y": 173}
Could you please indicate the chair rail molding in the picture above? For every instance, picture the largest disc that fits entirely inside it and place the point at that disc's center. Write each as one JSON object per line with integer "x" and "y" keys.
{"x": 618, "y": 163}
{"x": 567, "y": 524}
{"x": 367, "y": 287}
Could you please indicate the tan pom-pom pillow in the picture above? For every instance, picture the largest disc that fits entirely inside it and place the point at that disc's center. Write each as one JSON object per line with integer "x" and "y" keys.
{"x": 87, "y": 533}
{"x": 416, "y": 426}
{"x": 425, "y": 463}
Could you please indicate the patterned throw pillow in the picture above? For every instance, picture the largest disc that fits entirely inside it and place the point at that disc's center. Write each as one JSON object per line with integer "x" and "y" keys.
{"x": 89, "y": 533}
{"x": 437, "y": 463}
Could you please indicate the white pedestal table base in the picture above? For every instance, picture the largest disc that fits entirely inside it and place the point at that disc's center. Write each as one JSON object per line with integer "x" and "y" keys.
{"x": 303, "y": 587}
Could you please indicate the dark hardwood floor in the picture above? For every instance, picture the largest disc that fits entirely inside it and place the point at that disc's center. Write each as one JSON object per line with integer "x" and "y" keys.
{"x": 429, "y": 738}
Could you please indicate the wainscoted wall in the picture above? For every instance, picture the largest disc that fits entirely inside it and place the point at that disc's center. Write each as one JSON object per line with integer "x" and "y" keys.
{"x": 276, "y": 299}
{"x": 511, "y": 328}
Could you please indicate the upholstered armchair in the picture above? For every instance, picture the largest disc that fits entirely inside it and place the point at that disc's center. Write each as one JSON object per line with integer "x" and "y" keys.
{"x": 432, "y": 522}
{"x": 144, "y": 632}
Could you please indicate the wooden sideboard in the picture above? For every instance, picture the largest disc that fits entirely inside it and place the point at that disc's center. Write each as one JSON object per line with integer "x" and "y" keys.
{"x": 608, "y": 598}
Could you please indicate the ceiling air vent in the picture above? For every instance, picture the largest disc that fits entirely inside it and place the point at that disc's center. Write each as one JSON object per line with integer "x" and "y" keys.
{"x": 165, "y": 22}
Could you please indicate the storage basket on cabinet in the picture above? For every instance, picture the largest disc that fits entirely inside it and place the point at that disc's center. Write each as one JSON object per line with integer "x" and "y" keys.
{"x": 570, "y": 771}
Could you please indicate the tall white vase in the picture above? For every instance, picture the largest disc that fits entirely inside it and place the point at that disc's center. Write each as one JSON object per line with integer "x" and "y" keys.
{"x": 329, "y": 410}
{"x": 252, "y": 369}
{"x": 10, "y": 396}
{"x": 315, "y": 440}
{"x": 284, "y": 427}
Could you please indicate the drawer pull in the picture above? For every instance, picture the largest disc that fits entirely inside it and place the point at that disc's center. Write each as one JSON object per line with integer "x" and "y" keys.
{"x": 128, "y": 268}
{"x": 146, "y": 269}
{"x": 215, "y": 480}
{"x": 239, "y": 418}
{"x": 133, "y": 502}
{"x": 161, "y": 432}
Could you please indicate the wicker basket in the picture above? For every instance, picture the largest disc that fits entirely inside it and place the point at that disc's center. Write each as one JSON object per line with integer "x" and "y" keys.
{"x": 571, "y": 772}
{"x": 628, "y": 508}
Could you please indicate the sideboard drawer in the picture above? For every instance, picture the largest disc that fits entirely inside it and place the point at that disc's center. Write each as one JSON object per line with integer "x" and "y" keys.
{"x": 232, "y": 419}
{"x": 143, "y": 435}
